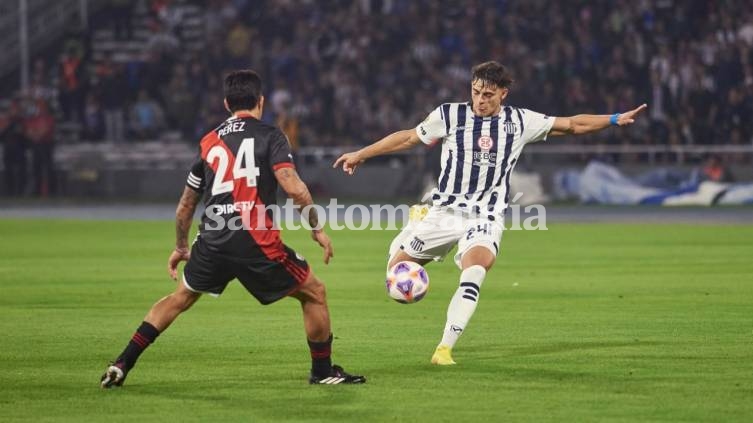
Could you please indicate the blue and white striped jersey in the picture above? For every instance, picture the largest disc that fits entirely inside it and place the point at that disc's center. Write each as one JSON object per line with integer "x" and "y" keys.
{"x": 479, "y": 154}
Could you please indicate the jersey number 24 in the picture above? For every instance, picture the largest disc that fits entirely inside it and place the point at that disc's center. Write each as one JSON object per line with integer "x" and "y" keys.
{"x": 245, "y": 156}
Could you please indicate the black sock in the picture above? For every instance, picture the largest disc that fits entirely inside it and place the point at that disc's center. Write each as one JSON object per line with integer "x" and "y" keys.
{"x": 321, "y": 363}
{"x": 144, "y": 336}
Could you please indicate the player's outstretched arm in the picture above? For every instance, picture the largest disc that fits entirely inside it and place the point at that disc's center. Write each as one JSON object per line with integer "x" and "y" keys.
{"x": 394, "y": 142}
{"x": 183, "y": 220}
{"x": 583, "y": 124}
{"x": 296, "y": 189}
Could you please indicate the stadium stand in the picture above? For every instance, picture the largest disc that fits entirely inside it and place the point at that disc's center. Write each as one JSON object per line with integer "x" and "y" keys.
{"x": 341, "y": 73}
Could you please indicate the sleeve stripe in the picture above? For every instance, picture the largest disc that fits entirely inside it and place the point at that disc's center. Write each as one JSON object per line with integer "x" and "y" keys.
{"x": 192, "y": 184}
{"x": 520, "y": 117}
{"x": 283, "y": 165}
{"x": 445, "y": 110}
{"x": 191, "y": 177}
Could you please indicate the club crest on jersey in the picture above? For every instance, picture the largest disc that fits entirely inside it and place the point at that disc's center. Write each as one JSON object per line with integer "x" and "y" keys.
{"x": 510, "y": 127}
{"x": 485, "y": 143}
{"x": 417, "y": 244}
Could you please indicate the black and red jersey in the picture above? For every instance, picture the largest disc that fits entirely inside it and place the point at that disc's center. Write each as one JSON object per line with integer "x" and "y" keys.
{"x": 235, "y": 172}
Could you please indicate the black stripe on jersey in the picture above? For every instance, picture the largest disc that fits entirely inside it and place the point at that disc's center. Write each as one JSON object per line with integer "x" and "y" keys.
{"x": 508, "y": 150}
{"x": 450, "y": 199}
{"x": 446, "y": 174}
{"x": 445, "y": 110}
{"x": 475, "y": 148}
{"x": 460, "y": 141}
{"x": 512, "y": 164}
{"x": 520, "y": 116}
{"x": 507, "y": 182}
{"x": 494, "y": 133}
{"x": 492, "y": 202}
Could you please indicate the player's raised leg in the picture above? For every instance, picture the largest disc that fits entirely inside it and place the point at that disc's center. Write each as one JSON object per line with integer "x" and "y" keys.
{"x": 159, "y": 318}
{"x": 416, "y": 214}
{"x": 313, "y": 297}
{"x": 428, "y": 236}
{"x": 403, "y": 256}
{"x": 475, "y": 262}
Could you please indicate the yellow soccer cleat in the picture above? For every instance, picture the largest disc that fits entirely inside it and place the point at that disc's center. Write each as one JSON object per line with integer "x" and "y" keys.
{"x": 442, "y": 356}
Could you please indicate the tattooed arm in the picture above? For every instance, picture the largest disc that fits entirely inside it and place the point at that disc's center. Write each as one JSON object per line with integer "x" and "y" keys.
{"x": 296, "y": 189}
{"x": 183, "y": 220}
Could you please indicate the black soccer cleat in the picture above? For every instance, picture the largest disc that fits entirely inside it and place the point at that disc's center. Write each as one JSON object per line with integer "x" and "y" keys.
{"x": 336, "y": 376}
{"x": 114, "y": 376}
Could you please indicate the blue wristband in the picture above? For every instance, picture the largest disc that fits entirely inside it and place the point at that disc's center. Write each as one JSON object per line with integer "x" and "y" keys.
{"x": 613, "y": 119}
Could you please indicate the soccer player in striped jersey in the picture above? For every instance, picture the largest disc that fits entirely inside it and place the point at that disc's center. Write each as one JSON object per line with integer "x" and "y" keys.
{"x": 481, "y": 142}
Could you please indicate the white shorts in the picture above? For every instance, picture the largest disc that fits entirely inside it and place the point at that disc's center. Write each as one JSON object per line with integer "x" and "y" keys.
{"x": 434, "y": 236}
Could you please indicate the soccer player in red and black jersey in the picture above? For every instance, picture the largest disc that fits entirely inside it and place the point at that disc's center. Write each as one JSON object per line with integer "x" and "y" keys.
{"x": 239, "y": 167}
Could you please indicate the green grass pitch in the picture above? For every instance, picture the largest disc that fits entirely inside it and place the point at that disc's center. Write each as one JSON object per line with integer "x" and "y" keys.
{"x": 584, "y": 322}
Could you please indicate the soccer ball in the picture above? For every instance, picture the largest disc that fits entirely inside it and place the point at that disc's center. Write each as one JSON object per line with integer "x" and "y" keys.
{"x": 407, "y": 282}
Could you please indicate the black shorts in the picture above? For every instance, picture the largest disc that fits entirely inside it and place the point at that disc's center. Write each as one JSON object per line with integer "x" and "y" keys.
{"x": 266, "y": 279}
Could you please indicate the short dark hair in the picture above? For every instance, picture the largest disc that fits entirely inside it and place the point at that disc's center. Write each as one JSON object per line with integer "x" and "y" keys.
{"x": 492, "y": 73}
{"x": 242, "y": 90}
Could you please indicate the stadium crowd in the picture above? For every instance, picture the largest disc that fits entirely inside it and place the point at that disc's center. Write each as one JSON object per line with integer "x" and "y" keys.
{"x": 346, "y": 72}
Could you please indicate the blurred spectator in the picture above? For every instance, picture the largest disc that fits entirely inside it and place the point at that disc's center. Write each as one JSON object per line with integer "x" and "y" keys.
{"x": 120, "y": 13}
{"x": 213, "y": 22}
{"x": 146, "y": 117}
{"x": 285, "y": 120}
{"x": 180, "y": 103}
{"x": 71, "y": 84}
{"x": 156, "y": 73}
{"x": 162, "y": 41}
{"x": 39, "y": 87}
{"x": 217, "y": 15}
{"x": 197, "y": 78}
{"x": 237, "y": 44}
{"x": 169, "y": 14}
{"x": 14, "y": 143}
{"x": 94, "y": 119}
{"x": 355, "y": 70}
{"x": 158, "y": 7}
{"x": 714, "y": 170}
{"x": 113, "y": 89}
{"x": 39, "y": 128}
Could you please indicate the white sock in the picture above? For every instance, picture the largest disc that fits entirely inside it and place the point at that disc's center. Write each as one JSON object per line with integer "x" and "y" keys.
{"x": 463, "y": 304}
